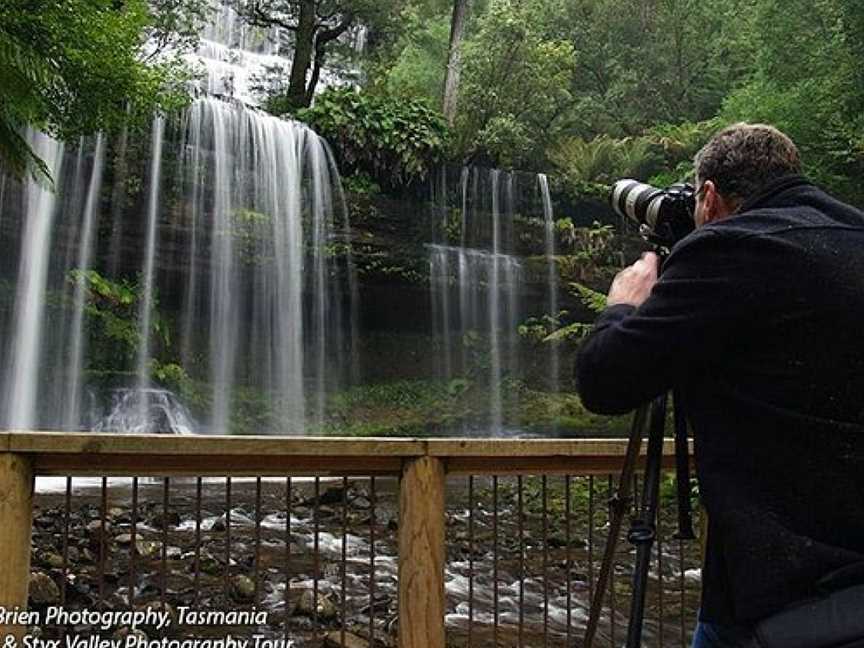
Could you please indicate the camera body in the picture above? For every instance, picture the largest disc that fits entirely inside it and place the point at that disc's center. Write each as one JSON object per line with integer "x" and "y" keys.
{"x": 665, "y": 216}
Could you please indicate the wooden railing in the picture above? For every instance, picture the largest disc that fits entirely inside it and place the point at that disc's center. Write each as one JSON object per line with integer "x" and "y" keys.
{"x": 421, "y": 466}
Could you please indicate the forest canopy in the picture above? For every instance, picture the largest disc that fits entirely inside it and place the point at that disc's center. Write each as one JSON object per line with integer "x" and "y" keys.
{"x": 585, "y": 90}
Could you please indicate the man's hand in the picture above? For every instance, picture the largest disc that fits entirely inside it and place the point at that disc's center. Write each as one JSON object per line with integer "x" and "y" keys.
{"x": 633, "y": 284}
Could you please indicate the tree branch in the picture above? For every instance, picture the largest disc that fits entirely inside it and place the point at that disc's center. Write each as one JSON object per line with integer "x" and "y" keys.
{"x": 256, "y": 15}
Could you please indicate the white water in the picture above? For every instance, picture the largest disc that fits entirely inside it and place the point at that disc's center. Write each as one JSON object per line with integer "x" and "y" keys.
{"x": 227, "y": 221}
{"x": 552, "y": 280}
{"x": 72, "y": 405}
{"x": 26, "y": 340}
{"x": 146, "y": 313}
{"x": 477, "y": 288}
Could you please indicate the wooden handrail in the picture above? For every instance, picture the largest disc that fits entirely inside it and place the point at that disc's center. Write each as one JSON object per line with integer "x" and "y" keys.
{"x": 421, "y": 464}
{"x": 91, "y": 454}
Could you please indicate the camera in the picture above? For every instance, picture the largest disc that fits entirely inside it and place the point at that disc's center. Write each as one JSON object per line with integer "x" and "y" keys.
{"x": 665, "y": 216}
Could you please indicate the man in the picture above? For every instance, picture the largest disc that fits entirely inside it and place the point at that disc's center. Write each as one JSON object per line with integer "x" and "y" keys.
{"x": 757, "y": 317}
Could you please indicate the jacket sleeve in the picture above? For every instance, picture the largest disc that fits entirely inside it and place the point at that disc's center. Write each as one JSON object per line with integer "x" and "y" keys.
{"x": 693, "y": 312}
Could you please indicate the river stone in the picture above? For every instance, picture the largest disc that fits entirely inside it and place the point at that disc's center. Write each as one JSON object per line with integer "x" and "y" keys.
{"x": 158, "y": 520}
{"x": 333, "y": 639}
{"x": 147, "y": 548}
{"x": 94, "y": 529}
{"x": 333, "y": 495}
{"x": 43, "y": 589}
{"x": 123, "y": 539}
{"x": 242, "y": 588}
{"x": 53, "y": 560}
{"x": 326, "y": 610}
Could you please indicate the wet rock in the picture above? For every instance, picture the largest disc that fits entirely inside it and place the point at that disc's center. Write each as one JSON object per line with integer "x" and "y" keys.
{"x": 73, "y": 554}
{"x": 361, "y": 502}
{"x": 123, "y": 539}
{"x": 44, "y": 521}
{"x": 333, "y": 495}
{"x": 43, "y": 589}
{"x": 333, "y": 639}
{"x": 52, "y": 560}
{"x": 326, "y": 512}
{"x": 162, "y": 518}
{"x": 94, "y": 530}
{"x": 147, "y": 548}
{"x": 392, "y": 524}
{"x": 173, "y": 553}
{"x": 242, "y": 588}
{"x": 326, "y": 610}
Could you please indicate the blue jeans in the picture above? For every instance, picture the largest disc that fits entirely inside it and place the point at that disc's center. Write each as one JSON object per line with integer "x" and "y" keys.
{"x": 712, "y": 635}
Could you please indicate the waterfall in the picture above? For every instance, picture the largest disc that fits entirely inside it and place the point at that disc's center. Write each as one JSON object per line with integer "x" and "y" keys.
{"x": 146, "y": 312}
{"x": 552, "y": 281}
{"x": 72, "y": 408}
{"x": 476, "y": 288}
{"x": 226, "y": 224}
{"x": 26, "y": 340}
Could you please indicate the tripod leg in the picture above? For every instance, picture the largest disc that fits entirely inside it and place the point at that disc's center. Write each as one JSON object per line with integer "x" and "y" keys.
{"x": 643, "y": 530}
{"x": 618, "y": 506}
{"x": 682, "y": 471}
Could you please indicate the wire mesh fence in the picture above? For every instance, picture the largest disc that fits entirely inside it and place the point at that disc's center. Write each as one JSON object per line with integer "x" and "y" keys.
{"x": 314, "y": 561}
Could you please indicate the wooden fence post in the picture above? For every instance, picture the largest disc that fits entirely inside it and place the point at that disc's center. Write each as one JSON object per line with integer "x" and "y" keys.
{"x": 421, "y": 554}
{"x": 16, "y": 519}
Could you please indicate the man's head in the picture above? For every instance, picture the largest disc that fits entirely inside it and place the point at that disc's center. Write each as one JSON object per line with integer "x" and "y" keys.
{"x": 737, "y": 164}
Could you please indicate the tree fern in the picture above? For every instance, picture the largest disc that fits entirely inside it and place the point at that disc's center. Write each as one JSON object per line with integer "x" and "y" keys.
{"x": 22, "y": 73}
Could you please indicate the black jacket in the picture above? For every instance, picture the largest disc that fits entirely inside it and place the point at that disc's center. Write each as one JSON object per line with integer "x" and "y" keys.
{"x": 760, "y": 320}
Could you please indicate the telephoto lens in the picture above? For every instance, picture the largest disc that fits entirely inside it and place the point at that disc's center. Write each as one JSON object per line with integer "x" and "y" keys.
{"x": 664, "y": 216}
{"x": 637, "y": 201}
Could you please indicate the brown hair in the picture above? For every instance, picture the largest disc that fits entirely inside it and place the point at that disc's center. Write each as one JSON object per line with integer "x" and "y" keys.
{"x": 743, "y": 158}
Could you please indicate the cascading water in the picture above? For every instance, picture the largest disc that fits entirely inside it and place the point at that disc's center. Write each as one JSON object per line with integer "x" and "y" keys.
{"x": 476, "y": 292}
{"x": 25, "y": 343}
{"x": 72, "y": 402}
{"x": 146, "y": 313}
{"x": 220, "y": 237}
{"x": 549, "y": 240}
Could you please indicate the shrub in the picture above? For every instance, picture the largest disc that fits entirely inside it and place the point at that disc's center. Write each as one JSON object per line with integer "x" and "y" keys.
{"x": 393, "y": 141}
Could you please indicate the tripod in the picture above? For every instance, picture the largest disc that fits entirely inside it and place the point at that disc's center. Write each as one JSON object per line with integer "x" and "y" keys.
{"x": 643, "y": 527}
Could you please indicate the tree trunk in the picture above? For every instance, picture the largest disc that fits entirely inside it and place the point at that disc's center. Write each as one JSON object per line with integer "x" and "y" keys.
{"x": 454, "y": 58}
{"x": 303, "y": 46}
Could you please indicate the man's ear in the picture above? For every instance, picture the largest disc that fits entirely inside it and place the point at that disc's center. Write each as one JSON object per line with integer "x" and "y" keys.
{"x": 716, "y": 207}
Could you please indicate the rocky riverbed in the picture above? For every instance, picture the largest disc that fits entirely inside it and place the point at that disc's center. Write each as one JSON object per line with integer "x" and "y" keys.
{"x": 124, "y": 548}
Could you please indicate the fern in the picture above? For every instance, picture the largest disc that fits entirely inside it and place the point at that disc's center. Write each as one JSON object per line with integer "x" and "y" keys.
{"x": 22, "y": 73}
{"x": 596, "y": 301}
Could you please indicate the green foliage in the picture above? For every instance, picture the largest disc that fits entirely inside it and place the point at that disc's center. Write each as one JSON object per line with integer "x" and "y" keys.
{"x": 360, "y": 183}
{"x": 515, "y": 84}
{"x": 821, "y": 110}
{"x": 589, "y": 167}
{"x": 111, "y": 321}
{"x": 662, "y": 156}
{"x": 418, "y": 69}
{"x": 73, "y": 67}
{"x": 393, "y": 140}
{"x": 112, "y": 310}
{"x": 537, "y": 329}
{"x": 595, "y": 301}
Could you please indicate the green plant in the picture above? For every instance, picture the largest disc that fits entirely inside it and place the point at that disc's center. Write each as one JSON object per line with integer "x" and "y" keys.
{"x": 595, "y": 301}
{"x": 394, "y": 141}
